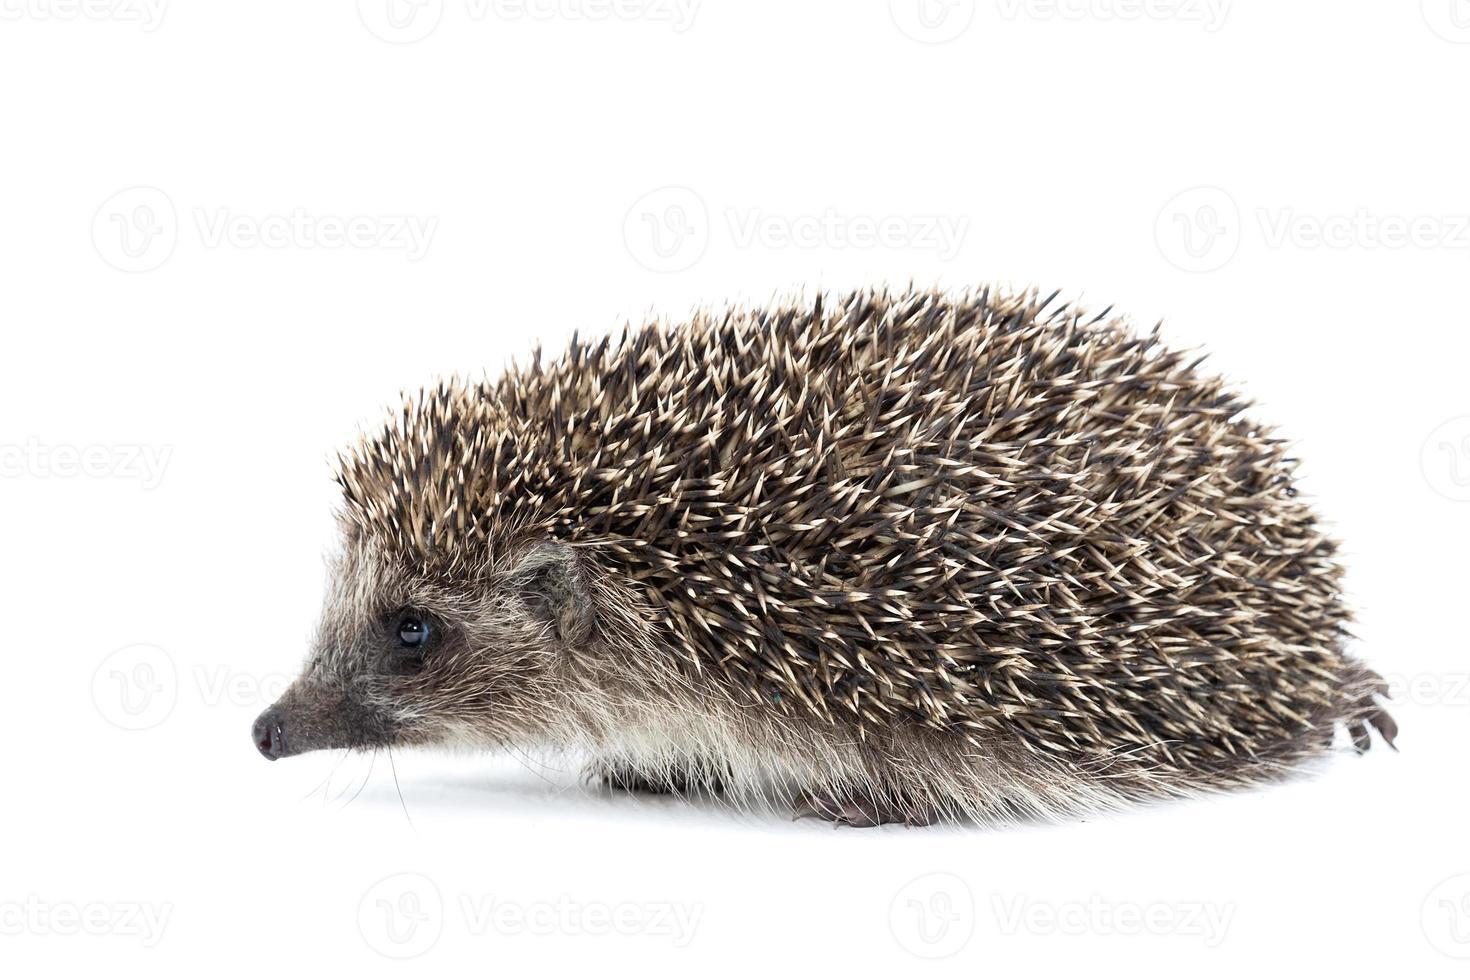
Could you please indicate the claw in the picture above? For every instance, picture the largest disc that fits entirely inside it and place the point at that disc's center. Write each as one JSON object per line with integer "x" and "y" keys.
{"x": 858, "y": 811}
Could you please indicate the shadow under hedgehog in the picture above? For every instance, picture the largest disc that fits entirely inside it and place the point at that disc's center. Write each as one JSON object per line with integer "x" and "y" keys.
{"x": 902, "y": 556}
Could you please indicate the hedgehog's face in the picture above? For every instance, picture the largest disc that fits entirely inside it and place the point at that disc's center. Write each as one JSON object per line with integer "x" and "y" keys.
{"x": 405, "y": 658}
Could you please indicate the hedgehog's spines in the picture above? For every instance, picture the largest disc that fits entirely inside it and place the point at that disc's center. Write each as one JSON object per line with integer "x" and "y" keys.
{"x": 986, "y": 515}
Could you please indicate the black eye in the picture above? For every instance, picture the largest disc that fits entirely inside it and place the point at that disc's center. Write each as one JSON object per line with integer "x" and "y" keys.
{"x": 413, "y": 632}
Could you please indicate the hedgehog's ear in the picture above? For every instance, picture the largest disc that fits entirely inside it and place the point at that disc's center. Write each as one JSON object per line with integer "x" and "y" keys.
{"x": 551, "y": 578}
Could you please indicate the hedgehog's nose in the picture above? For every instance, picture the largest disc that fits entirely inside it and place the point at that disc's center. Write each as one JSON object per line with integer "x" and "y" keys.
{"x": 269, "y": 733}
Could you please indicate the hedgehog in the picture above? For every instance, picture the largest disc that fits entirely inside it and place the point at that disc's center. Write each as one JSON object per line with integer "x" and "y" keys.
{"x": 897, "y": 556}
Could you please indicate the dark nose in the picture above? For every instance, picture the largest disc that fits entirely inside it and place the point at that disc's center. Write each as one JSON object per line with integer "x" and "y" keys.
{"x": 269, "y": 733}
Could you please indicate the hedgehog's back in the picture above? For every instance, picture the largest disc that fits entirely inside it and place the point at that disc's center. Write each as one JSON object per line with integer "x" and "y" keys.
{"x": 981, "y": 515}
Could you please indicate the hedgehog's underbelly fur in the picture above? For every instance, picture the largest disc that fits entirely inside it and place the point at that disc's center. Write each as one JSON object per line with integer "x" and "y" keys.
{"x": 700, "y": 746}
{"x": 977, "y": 539}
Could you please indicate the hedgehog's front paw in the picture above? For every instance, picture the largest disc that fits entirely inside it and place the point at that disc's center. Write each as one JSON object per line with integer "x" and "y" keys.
{"x": 861, "y": 810}
{"x": 631, "y": 779}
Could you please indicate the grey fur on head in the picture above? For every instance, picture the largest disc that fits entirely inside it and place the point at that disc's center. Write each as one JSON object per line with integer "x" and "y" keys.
{"x": 893, "y": 557}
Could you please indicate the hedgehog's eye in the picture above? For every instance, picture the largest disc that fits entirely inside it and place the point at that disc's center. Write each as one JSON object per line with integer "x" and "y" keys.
{"x": 413, "y": 631}
{"x": 408, "y": 636}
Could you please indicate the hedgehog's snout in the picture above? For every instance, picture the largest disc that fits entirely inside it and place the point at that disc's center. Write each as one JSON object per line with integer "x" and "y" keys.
{"x": 317, "y": 713}
{"x": 269, "y": 732}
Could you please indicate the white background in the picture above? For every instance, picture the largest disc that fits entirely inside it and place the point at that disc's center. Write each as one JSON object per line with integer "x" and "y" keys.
{"x": 188, "y": 339}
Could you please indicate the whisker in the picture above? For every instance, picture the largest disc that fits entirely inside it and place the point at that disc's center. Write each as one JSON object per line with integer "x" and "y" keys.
{"x": 371, "y": 763}
{"x": 325, "y": 784}
{"x": 401, "y": 802}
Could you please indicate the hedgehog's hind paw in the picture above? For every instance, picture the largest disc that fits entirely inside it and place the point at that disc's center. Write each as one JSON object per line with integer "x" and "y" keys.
{"x": 1381, "y": 722}
{"x": 862, "y": 810}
